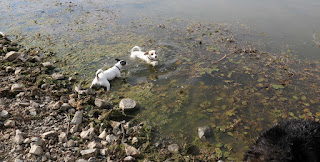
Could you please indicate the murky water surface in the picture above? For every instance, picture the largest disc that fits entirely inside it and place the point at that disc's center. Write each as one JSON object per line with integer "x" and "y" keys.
{"x": 238, "y": 66}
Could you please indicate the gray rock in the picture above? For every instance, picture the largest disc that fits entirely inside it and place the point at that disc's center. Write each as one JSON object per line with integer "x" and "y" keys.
{"x": 24, "y": 104}
{"x": 17, "y": 87}
{"x": 129, "y": 158}
{"x": 77, "y": 119}
{"x": 111, "y": 138}
{"x": 18, "y": 139}
{"x": 48, "y": 134}
{"x": 127, "y": 104}
{"x": 36, "y": 150}
{"x": 74, "y": 129}
{"x": 101, "y": 103}
{"x": 93, "y": 145}
{"x": 47, "y": 65}
{"x": 65, "y": 106}
{"x": 57, "y": 76}
{"x": 205, "y": 132}
{"x": 27, "y": 141}
{"x": 63, "y": 137}
{"x": 4, "y": 114}
{"x": 9, "y": 123}
{"x": 114, "y": 124}
{"x": 82, "y": 160}
{"x": 11, "y": 56}
{"x": 174, "y": 148}
{"x": 54, "y": 105}
{"x": 36, "y": 141}
{"x": 134, "y": 140}
{"x": 70, "y": 143}
{"x": 18, "y": 160}
{"x": 88, "y": 134}
{"x": 33, "y": 112}
{"x": 131, "y": 151}
{"x": 88, "y": 153}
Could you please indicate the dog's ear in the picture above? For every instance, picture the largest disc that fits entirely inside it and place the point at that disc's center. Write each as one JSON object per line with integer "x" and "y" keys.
{"x": 117, "y": 60}
{"x": 146, "y": 53}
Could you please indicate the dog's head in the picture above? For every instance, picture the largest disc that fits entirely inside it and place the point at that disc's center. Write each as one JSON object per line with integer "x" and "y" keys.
{"x": 151, "y": 55}
{"x": 120, "y": 63}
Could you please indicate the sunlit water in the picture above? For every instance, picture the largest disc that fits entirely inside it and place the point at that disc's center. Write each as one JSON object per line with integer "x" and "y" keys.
{"x": 239, "y": 96}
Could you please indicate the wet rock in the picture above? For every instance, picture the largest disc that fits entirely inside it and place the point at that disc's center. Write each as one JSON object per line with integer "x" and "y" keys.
{"x": 17, "y": 87}
{"x": 88, "y": 153}
{"x": 57, "y": 76}
{"x": 62, "y": 137}
{"x": 36, "y": 150}
{"x": 4, "y": 114}
{"x": 101, "y": 103}
{"x": 88, "y": 134}
{"x": 127, "y": 104}
{"x": 205, "y": 132}
{"x": 111, "y": 138}
{"x": 174, "y": 148}
{"x": 129, "y": 158}
{"x": 77, "y": 119}
{"x": 9, "y": 123}
{"x": 131, "y": 151}
{"x": 48, "y": 134}
{"x": 11, "y": 56}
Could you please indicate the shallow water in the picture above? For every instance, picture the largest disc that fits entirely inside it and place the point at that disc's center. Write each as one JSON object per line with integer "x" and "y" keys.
{"x": 263, "y": 79}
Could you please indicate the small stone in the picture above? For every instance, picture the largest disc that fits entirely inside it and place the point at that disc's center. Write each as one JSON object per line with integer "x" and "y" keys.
{"x": 18, "y": 70}
{"x": 9, "y": 69}
{"x": 24, "y": 104}
{"x": 205, "y": 132}
{"x": 77, "y": 119}
{"x": 82, "y": 160}
{"x": 33, "y": 112}
{"x": 127, "y": 104}
{"x": 47, "y": 65}
{"x": 88, "y": 153}
{"x": 74, "y": 129}
{"x": 27, "y": 141}
{"x": 131, "y": 151}
{"x": 88, "y": 134}
{"x": 55, "y": 105}
{"x": 18, "y": 160}
{"x": 103, "y": 134}
{"x": 65, "y": 106}
{"x": 17, "y": 87}
{"x": 36, "y": 150}
{"x": 70, "y": 143}
{"x": 35, "y": 59}
{"x": 115, "y": 124}
{"x": 104, "y": 151}
{"x": 18, "y": 139}
{"x": 129, "y": 158}
{"x": 4, "y": 114}
{"x": 93, "y": 145}
{"x": 63, "y": 137}
{"x": 57, "y": 76}
{"x": 36, "y": 141}
{"x": 174, "y": 148}
{"x": 101, "y": 103}
{"x": 48, "y": 134}
{"x": 134, "y": 140}
{"x": 11, "y": 56}
{"x": 9, "y": 123}
{"x": 111, "y": 138}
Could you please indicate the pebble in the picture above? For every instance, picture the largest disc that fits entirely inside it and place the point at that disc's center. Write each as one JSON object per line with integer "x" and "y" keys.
{"x": 48, "y": 134}
{"x": 77, "y": 119}
{"x": 131, "y": 151}
{"x": 87, "y": 134}
{"x": 70, "y": 143}
{"x": 134, "y": 140}
{"x": 103, "y": 134}
{"x": 129, "y": 158}
{"x": 205, "y": 132}
{"x": 62, "y": 137}
{"x": 9, "y": 123}
{"x": 127, "y": 104}
{"x": 36, "y": 150}
{"x": 11, "y": 56}
{"x": 57, "y": 76}
{"x": 101, "y": 103}
{"x": 17, "y": 87}
{"x": 111, "y": 138}
{"x": 173, "y": 148}
{"x": 4, "y": 114}
{"x": 88, "y": 153}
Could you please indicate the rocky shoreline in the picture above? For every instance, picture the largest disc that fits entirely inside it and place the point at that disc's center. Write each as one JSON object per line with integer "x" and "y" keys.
{"x": 46, "y": 117}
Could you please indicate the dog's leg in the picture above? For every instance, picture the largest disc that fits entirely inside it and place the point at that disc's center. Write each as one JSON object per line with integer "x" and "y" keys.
{"x": 106, "y": 84}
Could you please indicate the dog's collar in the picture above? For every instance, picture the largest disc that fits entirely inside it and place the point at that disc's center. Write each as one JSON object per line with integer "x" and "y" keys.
{"x": 117, "y": 67}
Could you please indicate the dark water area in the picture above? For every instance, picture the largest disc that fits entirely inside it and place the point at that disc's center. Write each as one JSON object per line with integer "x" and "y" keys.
{"x": 237, "y": 66}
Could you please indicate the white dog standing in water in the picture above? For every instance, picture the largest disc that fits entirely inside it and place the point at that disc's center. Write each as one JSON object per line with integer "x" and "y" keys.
{"x": 149, "y": 57}
{"x": 103, "y": 77}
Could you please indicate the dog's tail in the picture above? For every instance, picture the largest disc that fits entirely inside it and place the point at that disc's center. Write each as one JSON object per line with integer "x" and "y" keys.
{"x": 135, "y": 48}
{"x": 98, "y": 72}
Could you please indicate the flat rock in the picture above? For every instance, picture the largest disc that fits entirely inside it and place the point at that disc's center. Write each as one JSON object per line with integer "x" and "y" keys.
{"x": 127, "y": 104}
{"x": 17, "y": 87}
{"x": 11, "y": 56}
{"x": 88, "y": 153}
{"x": 174, "y": 148}
{"x": 48, "y": 134}
{"x": 36, "y": 150}
{"x": 57, "y": 76}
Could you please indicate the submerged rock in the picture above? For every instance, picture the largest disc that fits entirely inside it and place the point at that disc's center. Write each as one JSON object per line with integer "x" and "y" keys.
{"x": 205, "y": 132}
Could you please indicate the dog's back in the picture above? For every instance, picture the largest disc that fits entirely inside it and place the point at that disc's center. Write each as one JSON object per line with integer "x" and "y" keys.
{"x": 295, "y": 140}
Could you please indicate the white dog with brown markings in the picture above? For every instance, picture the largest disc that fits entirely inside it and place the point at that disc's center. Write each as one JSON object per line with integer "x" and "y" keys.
{"x": 103, "y": 77}
{"x": 150, "y": 57}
